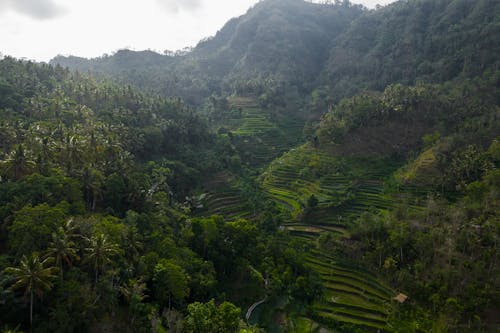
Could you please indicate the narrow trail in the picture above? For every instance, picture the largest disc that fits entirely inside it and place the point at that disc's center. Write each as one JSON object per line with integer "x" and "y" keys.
{"x": 254, "y": 305}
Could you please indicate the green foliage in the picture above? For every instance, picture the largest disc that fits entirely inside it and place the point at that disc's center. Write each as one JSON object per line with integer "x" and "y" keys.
{"x": 73, "y": 308}
{"x": 333, "y": 50}
{"x": 209, "y": 318}
{"x": 93, "y": 132}
{"x": 105, "y": 182}
{"x": 414, "y": 41}
{"x": 445, "y": 244}
{"x": 34, "y": 276}
{"x": 32, "y": 227}
{"x": 171, "y": 283}
{"x": 100, "y": 252}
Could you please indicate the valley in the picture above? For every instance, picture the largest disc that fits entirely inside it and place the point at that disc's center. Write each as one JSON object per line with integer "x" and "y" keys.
{"x": 313, "y": 167}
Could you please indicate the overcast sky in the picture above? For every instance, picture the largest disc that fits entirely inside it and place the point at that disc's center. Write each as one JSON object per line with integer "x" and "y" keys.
{"x": 41, "y": 29}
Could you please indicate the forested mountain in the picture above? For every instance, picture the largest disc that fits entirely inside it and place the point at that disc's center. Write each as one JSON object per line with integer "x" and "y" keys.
{"x": 405, "y": 182}
{"x": 310, "y": 168}
{"x": 277, "y": 41}
{"x": 96, "y": 210}
{"x": 415, "y": 41}
{"x": 339, "y": 48}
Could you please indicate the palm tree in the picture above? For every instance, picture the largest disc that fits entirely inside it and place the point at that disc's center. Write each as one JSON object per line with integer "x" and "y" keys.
{"x": 134, "y": 289}
{"x": 34, "y": 276}
{"x": 62, "y": 249}
{"x": 100, "y": 251}
{"x": 17, "y": 164}
{"x": 132, "y": 243}
{"x": 134, "y": 292}
{"x": 92, "y": 181}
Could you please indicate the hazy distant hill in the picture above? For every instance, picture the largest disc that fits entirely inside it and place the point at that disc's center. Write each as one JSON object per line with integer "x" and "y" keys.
{"x": 276, "y": 40}
{"x": 342, "y": 47}
{"x": 342, "y": 160}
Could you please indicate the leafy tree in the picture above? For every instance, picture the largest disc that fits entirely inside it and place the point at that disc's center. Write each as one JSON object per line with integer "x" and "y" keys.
{"x": 32, "y": 227}
{"x": 34, "y": 276}
{"x": 62, "y": 249}
{"x": 208, "y": 318}
{"x": 170, "y": 282}
{"x": 201, "y": 317}
{"x": 100, "y": 251}
{"x": 228, "y": 317}
{"x": 17, "y": 164}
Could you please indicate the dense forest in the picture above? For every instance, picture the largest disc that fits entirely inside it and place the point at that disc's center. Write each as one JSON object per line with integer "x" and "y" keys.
{"x": 313, "y": 167}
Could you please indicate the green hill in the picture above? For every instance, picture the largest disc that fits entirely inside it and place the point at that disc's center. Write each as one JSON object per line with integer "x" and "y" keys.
{"x": 336, "y": 49}
{"x": 329, "y": 167}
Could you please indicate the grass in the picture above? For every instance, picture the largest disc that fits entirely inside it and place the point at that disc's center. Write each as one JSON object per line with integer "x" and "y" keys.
{"x": 345, "y": 188}
{"x": 226, "y": 202}
{"x": 349, "y": 318}
{"x": 305, "y": 325}
{"x": 260, "y": 135}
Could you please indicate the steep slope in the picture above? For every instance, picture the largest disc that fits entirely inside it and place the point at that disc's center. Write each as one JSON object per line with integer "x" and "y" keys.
{"x": 275, "y": 41}
{"x": 278, "y": 39}
{"x": 344, "y": 188}
{"x": 259, "y": 134}
{"x": 366, "y": 183}
{"x": 337, "y": 49}
{"x": 91, "y": 167}
{"x": 358, "y": 174}
{"x": 411, "y": 41}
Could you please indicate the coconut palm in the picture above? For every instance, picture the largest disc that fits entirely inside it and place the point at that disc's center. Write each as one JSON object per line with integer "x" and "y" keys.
{"x": 132, "y": 243}
{"x": 17, "y": 164}
{"x": 34, "y": 276}
{"x": 134, "y": 292}
{"x": 100, "y": 251}
{"x": 92, "y": 181}
{"x": 62, "y": 249}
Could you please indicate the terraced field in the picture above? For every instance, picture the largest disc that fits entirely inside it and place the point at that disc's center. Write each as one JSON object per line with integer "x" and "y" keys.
{"x": 259, "y": 135}
{"x": 227, "y": 203}
{"x": 352, "y": 295}
{"x": 222, "y": 197}
{"x": 345, "y": 188}
{"x": 342, "y": 191}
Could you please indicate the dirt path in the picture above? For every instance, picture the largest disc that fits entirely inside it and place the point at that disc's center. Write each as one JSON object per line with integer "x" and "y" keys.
{"x": 254, "y": 305}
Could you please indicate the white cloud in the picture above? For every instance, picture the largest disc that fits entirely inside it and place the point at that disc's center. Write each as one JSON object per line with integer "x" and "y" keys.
{"x": 177, "y": 5}
{"x": 373, "y": 3}
{"x": 91, "y": 28}
{"x": 36, "y": 9}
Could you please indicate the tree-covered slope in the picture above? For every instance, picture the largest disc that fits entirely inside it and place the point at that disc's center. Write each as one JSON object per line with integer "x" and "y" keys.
{"x": 415, "y": 41}
{"x": 99, "y": 223}
{"x": 378, "y": 184}
{"x": 275, "y": 41}
{"x": 339, "y": 173}
{"x": 61, "y": 119}
{"x": 338, "y": 49}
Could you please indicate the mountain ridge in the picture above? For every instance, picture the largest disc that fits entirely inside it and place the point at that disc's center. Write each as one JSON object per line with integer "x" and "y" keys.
{"x": 336, "y": 48}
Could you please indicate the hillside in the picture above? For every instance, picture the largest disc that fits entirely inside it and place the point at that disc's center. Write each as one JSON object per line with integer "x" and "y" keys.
{"x": 339, "y": 50}
{"x": 313, "y": 167}
{"x": 414, "y": 41}
{"x": 98, "y": 208}
{"x": 356, "y": 195}
{"x": 245, "y": 49}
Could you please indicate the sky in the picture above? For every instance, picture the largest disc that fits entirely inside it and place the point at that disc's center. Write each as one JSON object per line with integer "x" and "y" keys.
{"x": 41, "y": 29}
